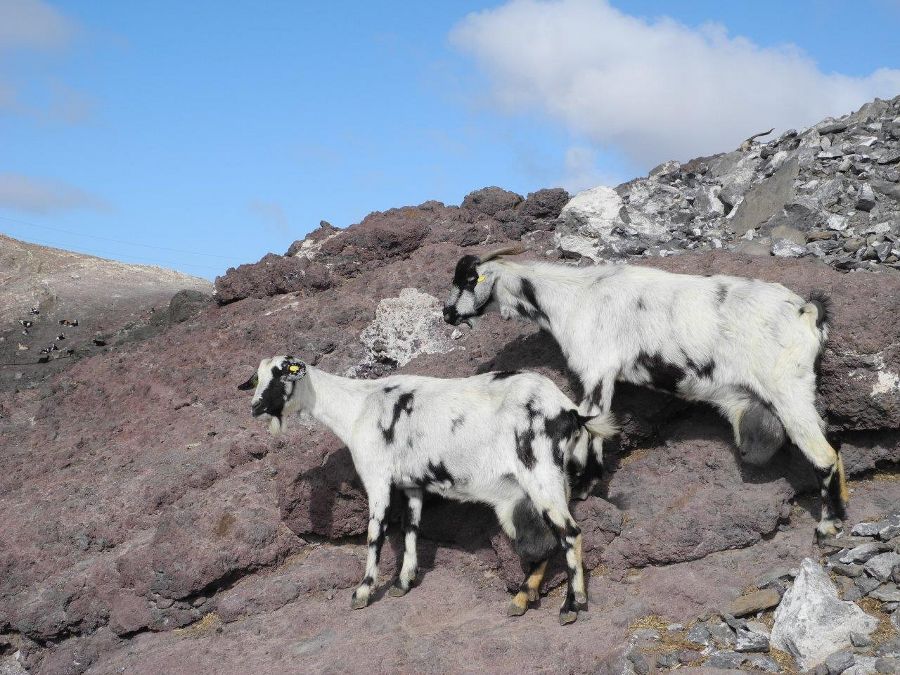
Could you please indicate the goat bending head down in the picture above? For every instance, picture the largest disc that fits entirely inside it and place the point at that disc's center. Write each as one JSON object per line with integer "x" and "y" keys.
{"x": 745, "y": 346}
{"x": 504, "y": 439}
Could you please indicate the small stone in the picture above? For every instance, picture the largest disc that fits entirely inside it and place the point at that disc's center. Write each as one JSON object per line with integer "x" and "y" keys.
{"x": 889, "y": 532}
{"x": 886, "y": 593}
{"x": 886, "y": 664}
{"x": 866, "y": 584}
{"x": 843, "y": 542}
{"x": 865, "y": 200}
{"x": 784, "y": 248}
{"x": 763, "y": 662}
{"x": 852, "y": 571}
{"x": 777, "y": 574}
{"x": 640, "y": 663}
{"x": 838, "y": 662}
{"x": 673, "y": 627}
{"x": 456, "y": 334}
{"x": 725, "y": 660}
{"x": 753, "y": 637}
{"x": 751, "y": 603}
{"x": 686, "y": 656}
{"x": 859, "y": 639}
{"x": 890, "y": 606}
{"x": 720, "y": 632}
{"x": 889, "y": 648}
{"x": 868, "y": 529}
{"x": 820, "y": 236}
{"x": 669, "y": 660}
{"x": 699, "y": 635}
{"x": 895, "y": 620}
{"x": 862, "y": 553}
{"x": 880, "y": 566}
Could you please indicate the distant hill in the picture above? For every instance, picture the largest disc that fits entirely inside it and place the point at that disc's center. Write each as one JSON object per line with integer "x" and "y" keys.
{"x": 110, "y": 301}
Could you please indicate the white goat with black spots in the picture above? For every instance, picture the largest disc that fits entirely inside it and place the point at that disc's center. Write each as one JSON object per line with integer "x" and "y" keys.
{"x": 503, "y": 439}
{"x": 745, "y": 346}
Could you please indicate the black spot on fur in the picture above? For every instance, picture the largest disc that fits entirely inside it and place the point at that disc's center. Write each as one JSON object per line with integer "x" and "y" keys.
{"x": 830, "y": 485}
{"x": 535, "y": 541}
{"x": 762, "y": 433}
{"x": 274, "y": 396}
{"x": 704, "y": 369}
{"x": 456, "y": 422}
{"x": 561, "y": 429}
{"x": 530, "y": 296}
{"x": 663, "y": 374}
{"x": 503, "y": 374}
{"x": 597, "y": 394}
{"x": 367, "y": 581}
{"x": 822, "y": 301}
{"x": 404, "y": 404}
{"x": 439, "y": 473}
{"x": 721, "y": 293}
{"x": 466, "y": 274}
{"x": 525, "y": 447}
{"x": 570, "y": 531}
{"x": 641, "y": 304}
{"x": 388, "y": 390}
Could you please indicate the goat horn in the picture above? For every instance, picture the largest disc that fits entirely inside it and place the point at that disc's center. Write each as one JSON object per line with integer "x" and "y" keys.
{"x": 500, "y": 252}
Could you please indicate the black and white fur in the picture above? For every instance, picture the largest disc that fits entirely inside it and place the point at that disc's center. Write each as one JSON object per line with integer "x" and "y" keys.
{"x": 745, "y": 346}
{"x": 503, "y": 439}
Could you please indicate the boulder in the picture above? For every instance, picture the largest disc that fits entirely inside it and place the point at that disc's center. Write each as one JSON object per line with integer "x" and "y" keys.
{"x": 811, "y": 623}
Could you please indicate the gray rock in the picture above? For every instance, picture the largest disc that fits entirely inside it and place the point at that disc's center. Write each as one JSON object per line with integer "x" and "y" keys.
{"x": 752, "y": 637}
{"x": 865, "y": 200}
{"x": 762, "y": 662}
{"x": 868, "y": 529}
{"x": 895, "y": 621}
{"x": 850, "y": 570}
{"x": 886, "y": 593}
{"x": 789, "y": 233}
{"x": 720, "y": 632}
{"x": 838, "y": 662}
{"x": 891, "y": 530}
{"x": 866, "y": 584}
{"x": 812, "y": 622}
{"x": 881, "y": 566}
{"x": 699, "y": 635}
{"x": 862, "y": 553}
{"x": 886, "y": 664}
{"x": 860, "y": 640}
{"x": 777, "y": 574}
{"x": 669, "y": 660}
{"x": 765, "y": 199}
{"x": 640, "y": 663}
{"x": 754, "y": 602}
{"x": 725, "y": 660}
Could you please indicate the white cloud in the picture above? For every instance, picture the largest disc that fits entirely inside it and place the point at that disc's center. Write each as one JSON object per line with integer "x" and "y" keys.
{"x": 33, "y": 195}
{"x": 33, "y": 24}
{"x": 653, "y": 90}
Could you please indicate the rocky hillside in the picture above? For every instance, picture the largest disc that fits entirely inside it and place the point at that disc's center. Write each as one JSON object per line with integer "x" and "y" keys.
{"x": 150, "y": 525}
{"x": 57, "y": 306}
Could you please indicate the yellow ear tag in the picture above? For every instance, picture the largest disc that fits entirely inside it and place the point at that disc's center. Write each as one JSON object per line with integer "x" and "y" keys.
{"x": 294, "y": 368}
{"x": 481, "y": 278}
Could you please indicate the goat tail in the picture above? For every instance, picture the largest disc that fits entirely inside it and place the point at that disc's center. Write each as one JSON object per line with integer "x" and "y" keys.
{"x": 816, "y": 311}
{"x": 601, "y": 426}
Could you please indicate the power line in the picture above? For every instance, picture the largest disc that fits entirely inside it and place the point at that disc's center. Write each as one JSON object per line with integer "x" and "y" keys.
{"x": 117, "y": 241}
{"x": 115, "y": 256}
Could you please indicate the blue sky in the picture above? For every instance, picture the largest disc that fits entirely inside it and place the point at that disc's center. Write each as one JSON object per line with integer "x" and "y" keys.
{"x": 202, "y": 135}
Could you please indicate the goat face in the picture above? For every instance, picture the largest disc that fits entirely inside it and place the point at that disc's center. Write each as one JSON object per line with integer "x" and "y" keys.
{"x": 470, "y": 293}
{"x": 274, "y": 382}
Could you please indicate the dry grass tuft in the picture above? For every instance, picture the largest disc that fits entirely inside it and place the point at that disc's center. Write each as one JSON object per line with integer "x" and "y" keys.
{"x": 208, "y": 624}
{"x": 884, "y": 631}
{"x": 784, "y": 660}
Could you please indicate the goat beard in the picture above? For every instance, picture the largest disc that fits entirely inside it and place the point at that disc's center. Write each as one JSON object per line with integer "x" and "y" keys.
{"x": 276, "y": 426}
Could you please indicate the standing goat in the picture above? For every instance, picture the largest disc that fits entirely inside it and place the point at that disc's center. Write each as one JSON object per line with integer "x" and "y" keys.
{"x": 504, "y": 439}
{"x": 746, "y": 346}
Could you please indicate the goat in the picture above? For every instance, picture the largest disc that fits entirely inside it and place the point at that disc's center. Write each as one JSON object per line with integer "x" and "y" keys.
{"x": 745, "y": 346}
{"x": 503, "y": 439}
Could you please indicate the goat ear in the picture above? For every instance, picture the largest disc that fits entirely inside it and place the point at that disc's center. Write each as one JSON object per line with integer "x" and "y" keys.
{"x": 249, "y": 384}
{"x": 500, "y": 252}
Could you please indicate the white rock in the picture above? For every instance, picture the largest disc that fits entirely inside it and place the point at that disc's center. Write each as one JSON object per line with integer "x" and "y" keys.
{"x": 405, "y": 327}
{"x": 785, "y": 248}
{"x": 837, "y": 222}
{"x": 812, "y": 622}
{"x": 594, "y": 211}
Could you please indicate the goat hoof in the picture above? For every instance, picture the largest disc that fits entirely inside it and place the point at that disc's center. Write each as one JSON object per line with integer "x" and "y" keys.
{"x": 827, "y": 528}
{"x": 397, "y": 591}
{"x": 533, "y": 595}
{"x": 358, "y": 602}
{"x": 567, "y": 617}
{"x": 581, "y": 601}
{"x": 512, "y": 609}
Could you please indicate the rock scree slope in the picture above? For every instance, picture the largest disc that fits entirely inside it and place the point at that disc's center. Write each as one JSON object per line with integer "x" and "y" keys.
{"x": 150, "y": 525}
